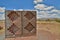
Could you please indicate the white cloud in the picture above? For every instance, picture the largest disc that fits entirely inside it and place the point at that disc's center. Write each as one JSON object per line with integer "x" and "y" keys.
{"x": 55, "y": 10}
{"x": 2, "y": 13}
{"x": 38, "y": 6}
{"x": 36, "y": 1}
{"x": 48, "y": 14}
{"x": 54, "y": 16}
{"x": 45, "y": 11}
{"x": 49, "y": 8}
{"x": 2, "y": 16}
{"x": 43, "y": 7}
{"x": 43, "y": 14}
{"x": 2, "y": 9}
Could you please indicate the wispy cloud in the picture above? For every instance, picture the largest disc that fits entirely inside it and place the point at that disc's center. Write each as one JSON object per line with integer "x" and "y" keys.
{"x": 43, "y": 7}
{"x": 2, "y": 13}
{"x": 2, "y": 9}
{"x": 37, "y": 1}
{"x": 2, "y": 16}
{"x": 45, "y": 11}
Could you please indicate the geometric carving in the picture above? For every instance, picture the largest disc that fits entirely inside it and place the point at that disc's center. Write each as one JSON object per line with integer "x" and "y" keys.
{"x": 29, "y": 27}
{"x": 29, "y": 23}
{"x": 13, "y": 29}
{"x": 13, "y": 15}
{"x": 29, "y": 15}
{"x": 18, "y": 25}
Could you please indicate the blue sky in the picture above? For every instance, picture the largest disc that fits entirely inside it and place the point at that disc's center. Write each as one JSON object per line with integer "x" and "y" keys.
{"x": 26, "y": 4}
{"x": 17, "y": 4}
{"x": 55, "y": 3}
{"x": 52, "y": 5}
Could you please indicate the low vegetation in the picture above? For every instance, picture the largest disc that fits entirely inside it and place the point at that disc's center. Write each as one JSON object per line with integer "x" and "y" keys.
{"x": 54, "y": 19}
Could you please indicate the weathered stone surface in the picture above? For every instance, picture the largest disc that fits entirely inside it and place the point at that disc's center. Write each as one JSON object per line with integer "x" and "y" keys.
{"x": 13, "y": 24}
{"x": 29, "y": 23}
{"x": 20, "y": 23}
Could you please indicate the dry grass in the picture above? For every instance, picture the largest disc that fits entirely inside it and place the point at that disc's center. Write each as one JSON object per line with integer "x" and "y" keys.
{"x": 52, "y": 27}
{"x": 49, "y": 26}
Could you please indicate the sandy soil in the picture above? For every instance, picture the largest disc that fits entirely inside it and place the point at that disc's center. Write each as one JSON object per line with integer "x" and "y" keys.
{"x": 48, "y": 30}
{"x": 2, "y": 31}
{"x": 45, "y": 31}
{"x": 2, "y": 24}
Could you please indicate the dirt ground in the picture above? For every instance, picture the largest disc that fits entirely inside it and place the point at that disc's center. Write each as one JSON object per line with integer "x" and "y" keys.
{"x": 45, "y": 31}
{"x": 48, "y": 30}
{"x": 2, "y": 24}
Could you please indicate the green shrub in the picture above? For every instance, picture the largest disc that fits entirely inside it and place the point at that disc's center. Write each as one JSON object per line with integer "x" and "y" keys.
{"x": 57, "y": 20}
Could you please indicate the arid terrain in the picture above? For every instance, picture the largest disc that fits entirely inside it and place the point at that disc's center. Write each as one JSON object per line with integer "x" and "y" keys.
{"x": 45, "y": 31}
{"x": 48, "y": 30}
{"x": 2, "y": 31}
{"x": 2, "y": 24}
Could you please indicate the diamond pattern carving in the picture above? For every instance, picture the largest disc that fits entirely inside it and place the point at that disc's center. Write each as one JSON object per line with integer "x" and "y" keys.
{"x": 29, "y": 27}
{"x": 13, "y": 15}
{"x": 29, "y": 15}
{"x": 20, "y": 23}
{"x": 13, "y": 29}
